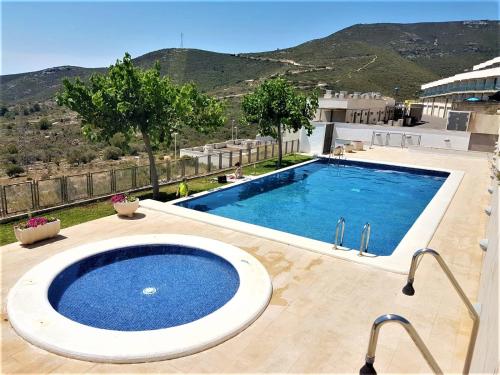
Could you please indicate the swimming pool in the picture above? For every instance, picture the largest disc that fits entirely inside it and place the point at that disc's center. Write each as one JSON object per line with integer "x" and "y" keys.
{"x": 309, "y": 199}
{"x": 144, "y": 287}
{"x": 139, "y": 298}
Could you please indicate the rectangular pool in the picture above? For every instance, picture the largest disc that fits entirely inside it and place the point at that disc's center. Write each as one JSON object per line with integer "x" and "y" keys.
{"x": 309, "y": 199}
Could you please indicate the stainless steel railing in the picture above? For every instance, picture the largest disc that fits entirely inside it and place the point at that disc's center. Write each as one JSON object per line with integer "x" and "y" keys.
{"x": 410, "y": 291}
{"x": 339, "y": 232}
{"x": 372, "y": 345}
{"x": 365, "y": 239}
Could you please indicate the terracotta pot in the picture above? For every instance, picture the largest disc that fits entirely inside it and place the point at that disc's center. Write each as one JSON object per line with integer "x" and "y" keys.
{"x": 30, "y": 235}
{"x": 126, "y": 208}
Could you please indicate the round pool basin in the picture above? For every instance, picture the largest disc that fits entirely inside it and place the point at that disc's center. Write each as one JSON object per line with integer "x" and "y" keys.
{"x": 139, "y": 298}
{"x": 144, "y": 287}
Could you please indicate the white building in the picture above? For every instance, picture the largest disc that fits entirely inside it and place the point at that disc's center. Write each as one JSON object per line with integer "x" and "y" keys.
{"x": 367, "y": 108}
{"x": 439, "y": 97}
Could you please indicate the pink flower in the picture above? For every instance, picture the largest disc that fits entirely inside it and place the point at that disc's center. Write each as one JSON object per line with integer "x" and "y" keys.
{"x": 118, "y": 198}
{"x": 36, "y": 221}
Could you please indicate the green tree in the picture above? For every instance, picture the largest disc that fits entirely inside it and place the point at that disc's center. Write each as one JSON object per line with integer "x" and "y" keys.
{"x": 275, "y": 106}
{"x": 131, "y": 100}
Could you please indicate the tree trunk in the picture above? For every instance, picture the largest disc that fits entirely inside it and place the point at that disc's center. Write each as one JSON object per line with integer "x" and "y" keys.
{"x": 152, "y": 166}
{"x": 280, "y": 146}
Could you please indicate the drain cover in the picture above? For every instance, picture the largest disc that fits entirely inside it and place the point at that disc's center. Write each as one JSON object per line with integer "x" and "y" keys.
{"x": 148, "y": 291}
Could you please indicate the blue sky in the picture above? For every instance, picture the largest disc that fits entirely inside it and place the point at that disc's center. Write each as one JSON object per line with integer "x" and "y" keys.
{"x": 38, "y": 35}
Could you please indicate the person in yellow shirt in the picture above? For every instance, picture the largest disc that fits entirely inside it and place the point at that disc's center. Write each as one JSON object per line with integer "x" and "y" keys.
{"x": 183, "y": 189}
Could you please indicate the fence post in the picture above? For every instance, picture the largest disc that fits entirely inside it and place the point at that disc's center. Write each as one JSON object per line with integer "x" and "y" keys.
{"x": 220, "y": 160}
{"x": 89, "y": 188}
{"x": 2, "y": 207}
{"x": 272, "y": 150}
{"x": 265, "y": 151}
{"x": 169, "y": 172}
{"x": 286, "y": 147}
{"x": 64, "y": 181}
{"x": 230, "y": 159}
{"x": 91, "y": 181}
{"x": 298, "y": 145}
{"x": 258, "y": 152}
{"x": 241, "y": 156}
{"x": 134, "y": 176}
{"x": 183, "y": 167}
{"x": 113, "y": 180}
{"x": 196, "y": 166}
{"x": 209, "y": 162}
{"x": 249, "y": 151}
{"x": 33, "y": 195}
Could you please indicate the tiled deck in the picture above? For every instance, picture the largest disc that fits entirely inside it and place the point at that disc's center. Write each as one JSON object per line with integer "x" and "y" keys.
{"x": 322, "y": 307}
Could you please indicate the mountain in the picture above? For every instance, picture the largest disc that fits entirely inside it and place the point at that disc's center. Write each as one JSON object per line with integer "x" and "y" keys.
{"x": 365, "y": 57}
{"x": 379, "y": 57}
{"x": 210, "y": 70}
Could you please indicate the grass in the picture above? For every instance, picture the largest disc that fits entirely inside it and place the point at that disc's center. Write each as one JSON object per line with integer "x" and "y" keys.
{"x": 92, "y": 211}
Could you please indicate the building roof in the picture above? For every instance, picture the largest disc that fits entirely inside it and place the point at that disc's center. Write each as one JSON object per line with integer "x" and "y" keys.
{"x": 475, "y": 74}
{"x": 485, "y": 64}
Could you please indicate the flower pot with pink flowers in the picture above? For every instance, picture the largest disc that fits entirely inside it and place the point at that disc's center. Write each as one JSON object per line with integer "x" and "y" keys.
{"x": 37, "y": 229}
{"x": 124, "y": 204}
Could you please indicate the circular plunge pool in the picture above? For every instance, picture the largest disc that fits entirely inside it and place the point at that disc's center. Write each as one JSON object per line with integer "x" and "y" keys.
{"x": 139, "y": 298}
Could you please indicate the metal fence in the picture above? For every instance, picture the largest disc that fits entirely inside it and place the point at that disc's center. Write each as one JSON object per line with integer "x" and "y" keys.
{"x": 33, "y": 196}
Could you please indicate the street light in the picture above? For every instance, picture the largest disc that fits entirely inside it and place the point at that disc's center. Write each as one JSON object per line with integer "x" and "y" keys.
{"x": 175, "y": 145}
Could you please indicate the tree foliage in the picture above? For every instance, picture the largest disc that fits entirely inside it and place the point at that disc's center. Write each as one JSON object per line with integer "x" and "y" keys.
{"x": 275, "y": 106}
{"x": 130, "y": 100}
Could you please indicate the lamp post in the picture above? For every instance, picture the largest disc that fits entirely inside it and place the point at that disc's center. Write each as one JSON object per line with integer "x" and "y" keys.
{"x": 232, "y": 130}
{"x": 175, "y": 145}
{"x": 236, "y": 131}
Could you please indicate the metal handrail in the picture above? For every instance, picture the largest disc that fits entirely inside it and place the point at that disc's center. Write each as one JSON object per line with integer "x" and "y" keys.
{"x": 410, "y": 291}
{"x": 339, "y": 230}
{"x": 372, "y": 345}
{"x": 365, "y": 239}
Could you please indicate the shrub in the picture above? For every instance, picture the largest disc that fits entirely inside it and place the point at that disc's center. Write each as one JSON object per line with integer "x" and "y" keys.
{"x": 44, "y": 123}
{"x": 36, "y": 107}
{"x": 135, "y": 149}
{"x": 80, "y": 155}
{"x": 112, "y": 153}
{"x": 11, "y": 148}
{"x": 26, "y": 111}
{"x": 3, "y": 110}
{"x": 119, "y": 140}
{"x": 12, "y": 158}
{"x": 14, "y": 170}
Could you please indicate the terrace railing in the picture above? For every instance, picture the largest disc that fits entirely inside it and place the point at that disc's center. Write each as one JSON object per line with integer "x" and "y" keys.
{"x": 47, "y": 194}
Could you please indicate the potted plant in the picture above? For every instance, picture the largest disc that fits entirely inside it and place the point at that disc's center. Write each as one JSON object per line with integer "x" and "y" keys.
{"x": 37, "y": 229}
{"x": 124, "y": 204}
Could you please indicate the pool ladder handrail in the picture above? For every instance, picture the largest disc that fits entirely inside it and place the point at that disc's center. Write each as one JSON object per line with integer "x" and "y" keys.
{"x": 372, "y": 344}
{"x": 365, "y": 239}
{"x": 410, "y": 291}
{"x": 340, "y": 229}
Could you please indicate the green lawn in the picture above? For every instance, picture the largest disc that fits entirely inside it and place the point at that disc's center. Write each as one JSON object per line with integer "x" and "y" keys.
{"x": 81, "y": 214}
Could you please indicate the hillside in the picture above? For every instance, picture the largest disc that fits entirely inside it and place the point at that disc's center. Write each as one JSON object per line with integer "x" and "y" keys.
{"x": 210, "y": 70}
{"x": 372, "y": 57}
{"x": 390, "y": 55}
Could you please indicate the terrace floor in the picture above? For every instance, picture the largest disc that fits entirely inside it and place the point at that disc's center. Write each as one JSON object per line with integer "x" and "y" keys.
{"x": 322, "y": 307}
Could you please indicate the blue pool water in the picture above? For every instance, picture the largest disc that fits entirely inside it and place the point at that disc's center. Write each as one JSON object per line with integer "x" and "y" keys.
{"x": 144, "y": 287}
{"x": 308, "y": 201}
